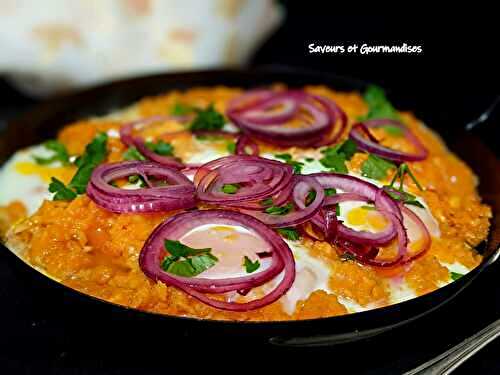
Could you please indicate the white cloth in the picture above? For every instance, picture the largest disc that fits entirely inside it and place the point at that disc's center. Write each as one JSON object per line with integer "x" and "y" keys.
{"x": 54, "y": 45}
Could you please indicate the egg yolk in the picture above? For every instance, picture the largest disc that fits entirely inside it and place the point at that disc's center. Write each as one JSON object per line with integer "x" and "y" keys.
{"x": 46, "y": 173}
{"x": 364, "y": 217}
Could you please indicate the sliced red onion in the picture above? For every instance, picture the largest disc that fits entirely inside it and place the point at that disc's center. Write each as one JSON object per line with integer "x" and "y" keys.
{"x": 302, "y": 212}
{"x": 244, "y": 143}
{"x": 426, "y": 237}
{"x": 179, "y": 194}
{"x": 175, "y": 227}
{"x": 128, "y": 139}
{"x": 257, "y": 178}
{"x": 272, "y": 126}
{"x": 371, "y": 144}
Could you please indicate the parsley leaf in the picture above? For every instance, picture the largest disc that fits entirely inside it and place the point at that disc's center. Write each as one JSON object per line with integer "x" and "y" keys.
{"x": 378, "y": 104}
{"x": 287, "y": 158}
{"x": 62, "y": 193}
{"x": 310, "y": 197}
{"x": 230, "y": 188}
{"x": 455, "y": 275}
{"x": 251, "y": 266}
{"x": 267, "y": 202}
{"x": 207, "y": 119}
{"x": 376, "y": 167}
{"x": 161, "y": 148}
{"x": 393, "y": 130}
{"x": 59, "y": 153}
{"x": 186, "y": 261}
{"x": 231, "y": 147}
{"x": 289, "y": 233}
{"x": 330, "y": 191}
{"x": 335, "y": 157}
{"x": 95, "y": 153}
{"x": 403, "y": 196}
{"x": 180, "y": 109}
{"x": 133, "y": 154}
{"x": 279, "y": 210}
{"x": 400, "y": 194}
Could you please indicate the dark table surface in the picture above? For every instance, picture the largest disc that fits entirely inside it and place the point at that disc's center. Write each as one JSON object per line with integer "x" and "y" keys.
{"x": 456, "y": 78}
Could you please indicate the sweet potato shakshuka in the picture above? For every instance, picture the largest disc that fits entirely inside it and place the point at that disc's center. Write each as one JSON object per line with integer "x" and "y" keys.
{"x": 264, "y": 204}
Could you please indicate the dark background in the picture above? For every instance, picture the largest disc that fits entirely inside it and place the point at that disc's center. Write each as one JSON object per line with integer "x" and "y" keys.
{"x": 452, "y": 82}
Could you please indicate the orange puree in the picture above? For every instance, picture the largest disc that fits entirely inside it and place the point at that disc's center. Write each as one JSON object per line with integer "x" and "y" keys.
{"x": 96, "y": 251}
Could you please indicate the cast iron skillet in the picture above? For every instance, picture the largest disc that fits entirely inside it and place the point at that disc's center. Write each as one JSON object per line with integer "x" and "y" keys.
{"x": 44, "y": 121}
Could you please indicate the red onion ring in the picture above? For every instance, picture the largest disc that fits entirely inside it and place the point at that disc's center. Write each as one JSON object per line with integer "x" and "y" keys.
{"x": 426, "y": 237}
{"x": 302, "y": 186}
{"x": 258, "y": 178}
{"x": 244, "y": 143}
{"x": 179, "y": 195}
{"x": 128, "y": 139}
{"x": 176, "y": 226}
{"x": 371, "y": 144}
{"x": 271, "y": 127}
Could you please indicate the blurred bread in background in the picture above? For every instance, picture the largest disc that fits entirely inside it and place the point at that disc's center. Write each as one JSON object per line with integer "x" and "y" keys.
{"x": 57, "y": 45}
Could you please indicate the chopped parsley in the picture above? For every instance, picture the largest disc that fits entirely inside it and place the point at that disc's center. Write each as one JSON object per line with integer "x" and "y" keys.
{"x": 309, "y": 160}
{"x": 207, "y": 119}
{"x": 59, "y": 153}
{"x": 289, "y": 233}
{"x": 267, "y": 202}
{"x": 133, "y": 154}
{"x": 330, "y": 191}
{"x": 231, "y": 147}
{"x": 95, "y": 153}
{"x": 186, "y": 261}
{"x": 455, "y": 275}
{"x": 310, "y": 197}
{"x": 393, "y": 130}
{"x": 62, "y": 193}
{"x": 208, "y": 137}
{"x": 287, "y": 158}
{"x": 399, "y": 194}
{"x": 249, "y": 265}
{"x": 347, "y": 257}
{"x": 135, "y": 178}
{"x": 378, "y": 104}
{"x": 161, "y": 148}
{"x": 375, "y": 167}
{"x": 335, "y": 157}
{"x": 230, "y": 188}
{"x": 279, "y": 210}
{"x": 180, "y": 109}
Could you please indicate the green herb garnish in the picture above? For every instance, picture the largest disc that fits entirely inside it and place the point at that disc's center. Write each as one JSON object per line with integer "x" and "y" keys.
{"x": 133, "y": 154}
{"x": 180, "y": 109}
{"x": 207, "y": 119}
{"x": 369, "y": 208}
{"x": 399, "y": 193}
{"x": 375, "y": 167}
{"x": 378, "y": 104}
{"x": 455, "y": 275}
{"x": 95, "y": 153}
{"x": 59, "y": 153}
{"x": 230, "y": 188}
{"x": 62, "y": 193}
{"x": 335, "y": 157}
{"x": 231, "y": 147}
{"x": 250, "y": 266}
{"x": 161, "y": 148}
{"x": 330, "y": 192}
{"x": 347, "y": 257}
{"x": 287, "y": 158}
{"x": 289, "y": 233}
{"x": 310, "y": 197}
{"x": 186, "y": 261}
{"x": 393, "y": 130}
{"x": 309, "y": 160}
{"x": 267, "y": 202}
{"x": 279, "y": 210}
